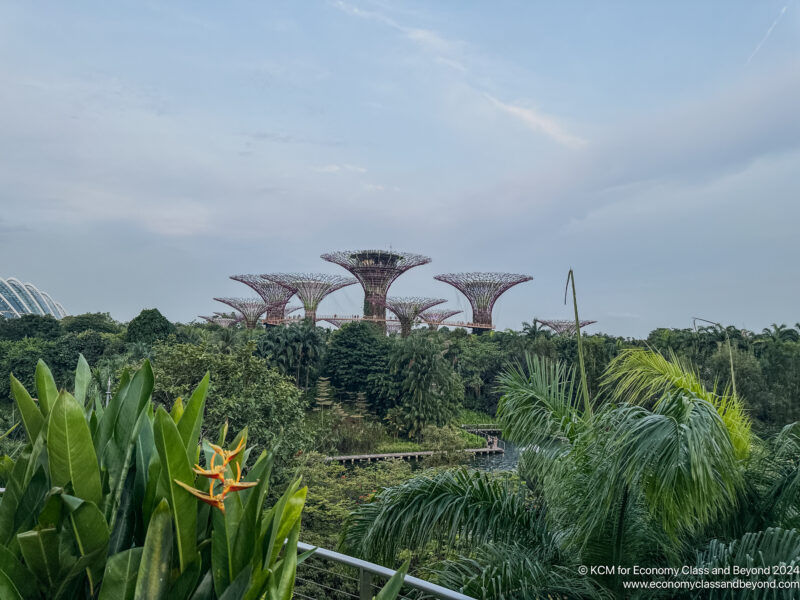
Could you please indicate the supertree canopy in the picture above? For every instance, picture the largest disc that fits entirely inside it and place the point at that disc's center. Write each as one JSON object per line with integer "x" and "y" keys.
{"x": 311, "y": 288}
{"x": 222, "y": 319}
{"x": 290, "y": 309}
{"x": 251, "y": 309}
{"x": 408, "y": 309}
{"x": 563, "y": 326}
{"x": 434, "y": 317}
{"x": 376, "y": 270}
{"x": 482, "y": 290}
{"x": 275, "y": 295}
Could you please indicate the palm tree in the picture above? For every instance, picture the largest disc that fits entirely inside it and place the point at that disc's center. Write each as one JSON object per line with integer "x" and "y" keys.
{"x": 664, "y": 472}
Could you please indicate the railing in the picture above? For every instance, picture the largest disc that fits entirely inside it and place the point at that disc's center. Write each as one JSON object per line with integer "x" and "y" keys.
{"x": 362, "y": 587}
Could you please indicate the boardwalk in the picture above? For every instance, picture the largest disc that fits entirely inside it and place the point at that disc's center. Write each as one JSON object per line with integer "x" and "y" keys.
{"x": 354, "y": 458}
{"x": 483, "y": 429}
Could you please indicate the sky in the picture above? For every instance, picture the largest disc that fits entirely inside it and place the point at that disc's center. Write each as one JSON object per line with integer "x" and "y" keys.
{"x": 150, "y": 149}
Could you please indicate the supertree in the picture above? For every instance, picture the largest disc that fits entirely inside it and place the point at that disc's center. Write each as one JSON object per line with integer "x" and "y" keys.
{"x": 434, "y": 317}
{"x": 251, "y": 309}
{"x": 376, "y": 270}
{"x": 482, "y": 290}
{"x": 222, "y": 319}
{"x": 408, "y": 309}
{"x": 311, "y": 288}
{"x": 394, "y": 327}
{"x": 563, "y": 326}
{"x": 290, "y": 309}
{"x": 275, "y": 296}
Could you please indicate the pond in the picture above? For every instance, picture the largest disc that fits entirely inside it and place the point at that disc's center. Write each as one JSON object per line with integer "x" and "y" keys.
{"x": 499, "y": 462}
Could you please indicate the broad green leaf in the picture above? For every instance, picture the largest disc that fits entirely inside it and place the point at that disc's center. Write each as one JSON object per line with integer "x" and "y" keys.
{"x": 70, "y": 450}
{"x": 192, "y": 419}
{"x": 119, "y": 580}
{"x": 152, "y": 581}
{"x": 16, "y": 581}
{"x": 288, "y": 569}
{"x": 46, "y": 388}
{"x": 245, "y": 532}
{"x": 16, "y": 486}
{"x": 236, "y": 589}
{"x": 285, "y": 519}
{"x": 91, "y": 534}
{"x": 205, "y": 591}
{"x": 175, "y": 466}
{"x": 392, "y": 588}
{"x": 83, "y": 375}
{"x": 32, "y": 417}
{"x": 186, "y": 583}
{"x": 40, "y": 552}
{"x": 220, "y": 552}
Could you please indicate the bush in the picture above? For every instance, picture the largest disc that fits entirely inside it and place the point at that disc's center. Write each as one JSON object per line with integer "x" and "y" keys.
{"x": 100, "y": 322}
{"x": 149, "y": 326}
{"x": 29, "y": 326}
{"x": 244, "y": 391}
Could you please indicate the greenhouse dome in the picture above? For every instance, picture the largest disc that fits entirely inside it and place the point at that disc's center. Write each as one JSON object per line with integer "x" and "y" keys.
{"x": 17, "y": 299}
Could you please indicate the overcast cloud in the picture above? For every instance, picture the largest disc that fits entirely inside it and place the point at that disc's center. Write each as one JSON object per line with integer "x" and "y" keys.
{"x": 150, "y": 150}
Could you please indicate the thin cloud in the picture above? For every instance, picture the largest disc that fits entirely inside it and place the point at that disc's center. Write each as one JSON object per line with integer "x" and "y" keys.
{"x": 769, "y": 33}
{"x": 539, "y": 122}
{"x": 340, "y": 169}
{"x": 450, "y": 54}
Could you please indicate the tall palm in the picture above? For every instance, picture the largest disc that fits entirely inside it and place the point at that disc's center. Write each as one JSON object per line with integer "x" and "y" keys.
{"x": 651, "y": 477}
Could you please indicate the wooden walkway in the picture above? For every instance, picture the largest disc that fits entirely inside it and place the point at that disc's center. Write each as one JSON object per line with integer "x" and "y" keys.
{"x": 483, "y": 429}
{"x": 354, "y": 458}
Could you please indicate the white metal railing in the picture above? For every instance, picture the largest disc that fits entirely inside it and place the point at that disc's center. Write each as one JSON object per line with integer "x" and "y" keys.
{"x": 367, "y": 571}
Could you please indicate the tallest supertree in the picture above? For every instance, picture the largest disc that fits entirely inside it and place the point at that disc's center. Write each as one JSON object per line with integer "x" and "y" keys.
{"x": 482, "y": 290}
{"x": 376, "y": 270}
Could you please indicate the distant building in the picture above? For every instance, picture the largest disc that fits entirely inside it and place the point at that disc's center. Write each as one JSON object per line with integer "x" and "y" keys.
{"x": 17, "y": 299}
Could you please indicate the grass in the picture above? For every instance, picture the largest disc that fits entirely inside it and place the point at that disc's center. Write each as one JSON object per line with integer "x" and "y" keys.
{"x": 474, "y": 417}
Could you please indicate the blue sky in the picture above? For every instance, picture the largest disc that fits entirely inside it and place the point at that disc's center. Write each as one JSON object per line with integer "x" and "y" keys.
{"x": 150, "y": 149}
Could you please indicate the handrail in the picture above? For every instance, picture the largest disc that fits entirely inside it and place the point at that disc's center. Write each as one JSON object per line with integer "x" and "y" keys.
{"x": 367, "y": 569}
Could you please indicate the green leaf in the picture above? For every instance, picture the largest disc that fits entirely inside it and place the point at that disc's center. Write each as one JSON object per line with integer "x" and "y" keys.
{"x": 392, "y": 588}
{"x": 192, "y": 419}
{"x": 32, "y": 417}
{"x": 40, "y": 552}
{"x": 153, "y": 577}
{"x": 220, "y": 552}
{"x": 83, "y": 375}
{"x": 175, "y": 466}
{"x": 70, "y": 450}
{"x": 119, "y": 580}
{"x": 91, "y": 534}
{"x": 46, "y": 388}
{"x": 16, "y": 581}
{"x": 243, "y": 544}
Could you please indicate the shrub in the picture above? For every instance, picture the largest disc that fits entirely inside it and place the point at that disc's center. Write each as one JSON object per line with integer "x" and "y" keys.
{"x": 150, "y": 325}
{"x": 245, "y": 392}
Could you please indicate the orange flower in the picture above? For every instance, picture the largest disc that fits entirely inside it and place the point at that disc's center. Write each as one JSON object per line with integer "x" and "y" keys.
{"x": 216, "y": 472}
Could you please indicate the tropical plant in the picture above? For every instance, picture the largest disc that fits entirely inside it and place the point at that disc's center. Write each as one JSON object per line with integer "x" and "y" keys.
{"x": 431, "y": 392}
{"x": 663, "y": 473}
{"x": 104, "y": 502}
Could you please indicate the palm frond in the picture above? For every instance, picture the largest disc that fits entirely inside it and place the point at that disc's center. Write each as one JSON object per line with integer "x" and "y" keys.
{"x": 680, "y": 455}
{"x": 452, "y": 507}
{"x": 538, "y": 402}
{"x": 766, "y": 549}
{"x": 641, "y": 376}
{"x": 515, "y": 572}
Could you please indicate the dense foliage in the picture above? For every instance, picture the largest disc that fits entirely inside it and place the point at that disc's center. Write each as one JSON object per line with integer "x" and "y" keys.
{"x": 663, "y": 472}
{"x": 101, "y": 502}
{"x": 150, "y": 325}
{"x": 245, "y": 392}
